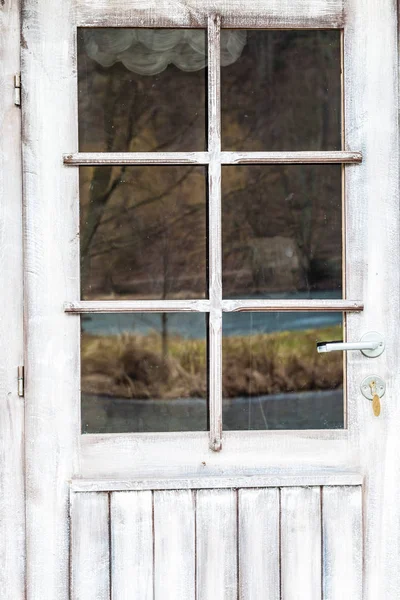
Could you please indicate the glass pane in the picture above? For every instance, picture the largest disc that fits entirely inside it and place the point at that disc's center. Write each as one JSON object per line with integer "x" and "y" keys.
{"x": 273, "y": 376}
{"x": 142, "y": 89}
{"x": 144, "y": 372}
{"x": 143, "y": 232}
{"x": 282, "y": 231}
{"x": 283, "y": 92}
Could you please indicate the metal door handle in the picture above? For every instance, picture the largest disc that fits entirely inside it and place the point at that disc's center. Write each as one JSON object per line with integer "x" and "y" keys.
{"x": 371, "y": 344}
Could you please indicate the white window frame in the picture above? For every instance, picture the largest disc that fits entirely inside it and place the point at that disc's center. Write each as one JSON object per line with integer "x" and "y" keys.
{"x": 214, "y": 158}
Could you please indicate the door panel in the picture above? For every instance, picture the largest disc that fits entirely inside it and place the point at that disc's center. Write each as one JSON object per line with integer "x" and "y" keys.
{"x": 207, "y": 542}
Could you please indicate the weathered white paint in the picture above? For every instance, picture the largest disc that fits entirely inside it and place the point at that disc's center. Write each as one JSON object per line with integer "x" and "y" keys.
{"x": 216, "y": 544}
{"x": 121, "y": 306}
{"x": 115, "y": 456}
{"x": 292, "y": 305}
{"x": 193, "y": 13}
{"x": 259, "y": 564}
{"x": 12, "y": 501}
{"x": 301, "y": 543}
{"x": 214, "y": 233}
{"x": 342, "y": 542}
{"x": 52, "y": 421}
{"x": 281, "y": 478}
{"x": 131, "y": 515}
{"x": 174, "y": 545}
{"x": 203, "y": 158}
{"x": 148, "y": 306}
{"x": 372, "y": 265}
{"x": 90, "y": 552}
{"x": 372, "y": 259}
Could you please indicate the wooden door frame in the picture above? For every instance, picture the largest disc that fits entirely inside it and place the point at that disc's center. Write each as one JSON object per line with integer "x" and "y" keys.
{"x": 52, "y": 401}
{"x": 12, "y": 497}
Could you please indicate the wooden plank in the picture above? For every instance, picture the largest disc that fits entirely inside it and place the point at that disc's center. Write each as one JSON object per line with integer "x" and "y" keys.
{"x": 203, "y": 158}
{"x": 214, "y": 233}
{"x": 216, "y": 544}
{"x": 131, "y": 306}
{"x": 136, "y": 158}
{"x": 12, "y": 500}
{"x": 51, "y": 226}
{"x": 278, "y": 478}
{"x": 132, "y": 456}
{"x": 284, "y": 158}
{"x": 193, "y": 13}
{"x": 342, "y": 542}
{"x": 132, "y": 545}
{"x": 371, "y": 80}
{"x": 174, "y": 545}
{"x": 90, "y": 553}
{"x": 259, "y": 518}
{"x": 301, "y": 543}
{"x": 292, "y": 305}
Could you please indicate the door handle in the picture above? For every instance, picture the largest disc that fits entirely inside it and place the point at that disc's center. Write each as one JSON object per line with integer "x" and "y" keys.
{"x": 371, "y": 344}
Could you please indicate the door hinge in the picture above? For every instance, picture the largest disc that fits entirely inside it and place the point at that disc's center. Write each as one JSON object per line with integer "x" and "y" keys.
{"x": 21, "y": 381}
{"x": 17, "y": 89}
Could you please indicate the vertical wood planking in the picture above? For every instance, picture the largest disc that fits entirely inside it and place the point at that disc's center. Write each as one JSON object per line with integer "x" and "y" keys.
{"x": 12, "y": 501}
{"x": 131, "y": 545}
{"x": 216, "y": 545}
{"x": 259, "y": 576}
{"x": 301, "y": 543}
{"x": 90, "y": 553}
{"x": 214, "y": 232}
{"x": 174, "y": 545}
{"x": 342, "y": 542}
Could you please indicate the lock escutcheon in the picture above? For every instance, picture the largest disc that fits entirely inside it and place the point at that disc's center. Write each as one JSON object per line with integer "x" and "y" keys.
{"x": 370, "y": 383}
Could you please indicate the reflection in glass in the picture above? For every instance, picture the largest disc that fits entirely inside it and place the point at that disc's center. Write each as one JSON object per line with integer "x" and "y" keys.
{"x": 282, "y": 231}
{"x": 143, "y": 232}
{"x": 273, "y": 377}
{"x": 284, "y": 92}
{"x": 142, "y": 89}
{"x": 143, "y": 373}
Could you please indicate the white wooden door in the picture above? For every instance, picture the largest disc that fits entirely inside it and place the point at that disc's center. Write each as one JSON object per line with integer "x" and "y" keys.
{"x": 229, "y": 510}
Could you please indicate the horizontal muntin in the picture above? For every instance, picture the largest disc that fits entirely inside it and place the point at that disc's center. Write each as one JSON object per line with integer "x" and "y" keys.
{"x": 149, "y": 306}
{"x": 203, "y": 158}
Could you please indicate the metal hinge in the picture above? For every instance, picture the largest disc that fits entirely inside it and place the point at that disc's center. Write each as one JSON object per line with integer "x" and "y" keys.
{"x": 17, "y": 89}
{"x": 21, "y": 381}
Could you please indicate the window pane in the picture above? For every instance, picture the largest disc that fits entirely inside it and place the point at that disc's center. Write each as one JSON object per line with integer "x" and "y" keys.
{"x": 273, "y": 376}
{"x": 282, "y": 231}
{"x": 144, "y": 372}
{"x": 142, "y": 89}
{"x": 143, "y": 232}
{"x": 283, "y": 92}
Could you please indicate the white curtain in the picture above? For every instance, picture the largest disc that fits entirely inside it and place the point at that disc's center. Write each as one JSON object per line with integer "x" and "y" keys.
{"x": 150, "y": 51}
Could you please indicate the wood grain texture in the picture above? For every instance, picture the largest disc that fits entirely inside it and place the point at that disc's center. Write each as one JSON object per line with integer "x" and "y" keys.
{"x": 371, "y": 79}
{"x": 292, "y": 305}
{"x": 52, "y": 422}
{"x": 147, "y": 306}
{"x": 203, "y": 158}
{"x": 282, "y": 478}
{"x": 131, "y": 545}
{"x": 259, "y": 564}
{"x": 342, "y": 542}
{"x": 193, "y": 13}
{"x": 90, "y": 552}
{"x": 214, "y": 233}
{"x": 130, "y": 456}
{"x": 216, "y": 544}
{"x": 174, "y": 545}
{"x": 301, "y": 543}
{"x": 12, "y": 501}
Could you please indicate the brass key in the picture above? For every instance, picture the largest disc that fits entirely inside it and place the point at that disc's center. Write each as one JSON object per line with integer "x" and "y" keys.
{"x": 376, "y": 401}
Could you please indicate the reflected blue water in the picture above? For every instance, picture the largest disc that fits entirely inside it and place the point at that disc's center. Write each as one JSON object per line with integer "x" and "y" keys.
{"x": 191, "y": 325}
